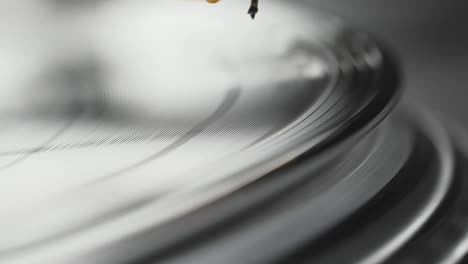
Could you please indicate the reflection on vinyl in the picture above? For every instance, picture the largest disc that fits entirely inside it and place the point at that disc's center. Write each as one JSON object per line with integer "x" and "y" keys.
{"x": 148, "y": 137}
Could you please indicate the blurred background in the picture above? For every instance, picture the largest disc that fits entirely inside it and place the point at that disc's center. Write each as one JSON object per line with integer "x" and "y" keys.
{"x": 429, "y": 36}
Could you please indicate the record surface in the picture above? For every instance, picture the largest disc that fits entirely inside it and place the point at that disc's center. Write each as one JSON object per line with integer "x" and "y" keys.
{"x": 196, "y": 137}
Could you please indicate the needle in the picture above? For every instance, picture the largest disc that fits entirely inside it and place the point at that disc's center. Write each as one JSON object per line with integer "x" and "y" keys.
{"x": 253, "y": 10}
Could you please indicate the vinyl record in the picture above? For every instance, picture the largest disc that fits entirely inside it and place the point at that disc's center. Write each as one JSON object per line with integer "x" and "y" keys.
{"x": 206, "y": 138}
